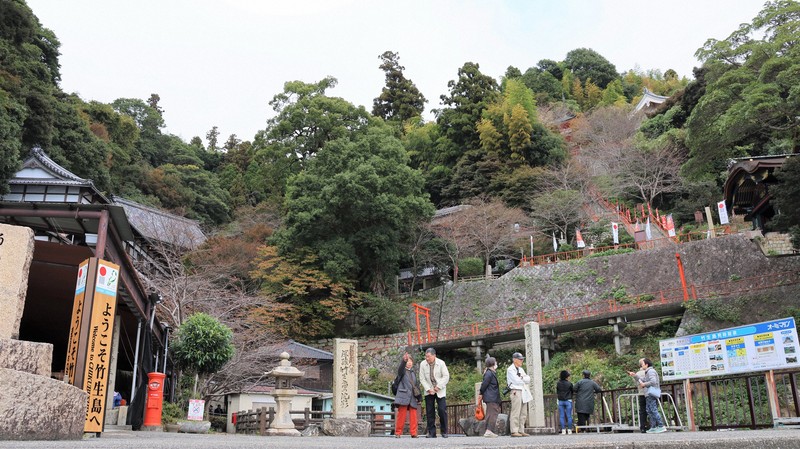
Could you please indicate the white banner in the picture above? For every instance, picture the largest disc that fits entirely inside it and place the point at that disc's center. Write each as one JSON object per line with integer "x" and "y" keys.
{"x": 647, "y": 230}
{"x": 670, "y": 226}
{"x": 579, "y": 239}
{"x": 555, "y": 244}
{"x": 615, "y": 232}
{"x": 723, "y": 212}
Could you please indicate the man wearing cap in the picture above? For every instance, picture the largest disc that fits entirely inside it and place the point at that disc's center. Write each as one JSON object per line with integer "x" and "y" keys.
{"x": 433, "y": 376}
{"x": 585, "y": 390}
{"x": 518, "y": 382}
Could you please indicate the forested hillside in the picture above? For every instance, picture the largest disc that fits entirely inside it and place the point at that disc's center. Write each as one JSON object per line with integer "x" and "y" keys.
{"x": 313, "y": 217}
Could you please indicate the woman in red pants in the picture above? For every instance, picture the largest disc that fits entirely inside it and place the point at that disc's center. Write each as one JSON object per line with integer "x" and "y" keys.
{"x": 406, "y": 398}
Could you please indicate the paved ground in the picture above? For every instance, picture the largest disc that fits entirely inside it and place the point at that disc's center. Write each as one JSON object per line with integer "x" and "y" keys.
{"x": 745, "y": 439}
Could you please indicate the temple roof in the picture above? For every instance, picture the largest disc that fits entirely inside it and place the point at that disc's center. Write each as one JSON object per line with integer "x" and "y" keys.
{"x": 162, "y": 226}
{"x": 38, "y": 168}
{"x": 648, "y": 100}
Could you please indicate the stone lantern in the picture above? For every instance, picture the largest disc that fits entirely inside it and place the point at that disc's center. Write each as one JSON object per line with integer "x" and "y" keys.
{"x": 284, "y": 375}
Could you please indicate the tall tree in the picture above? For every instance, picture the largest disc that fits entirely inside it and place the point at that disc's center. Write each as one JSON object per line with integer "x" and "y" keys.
{"x": 354, "y": 205}
{"x": 469, "y": 95}
{"x": 400, "y": 99}
{"x": 751, "y": 102}
{"x": 586, "y": 63}
{"x": 493, "y": 228}
{"x": 307, "y": 119}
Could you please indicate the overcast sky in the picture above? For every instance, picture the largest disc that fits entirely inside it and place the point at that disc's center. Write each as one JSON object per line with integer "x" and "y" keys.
{"x": 220, "y": 62}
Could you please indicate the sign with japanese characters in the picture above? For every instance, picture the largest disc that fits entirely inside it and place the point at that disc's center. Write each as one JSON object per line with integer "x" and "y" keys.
{"x": 91, "y": 328}
{"x": 756, "y": 347}
{"x": 75, "y": 323}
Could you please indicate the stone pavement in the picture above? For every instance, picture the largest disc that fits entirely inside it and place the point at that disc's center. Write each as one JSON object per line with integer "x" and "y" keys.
{"x": 742, "y": 439}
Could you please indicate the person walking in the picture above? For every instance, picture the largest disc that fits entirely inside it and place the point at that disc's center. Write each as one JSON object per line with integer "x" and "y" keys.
{"x": 518, "y": 382}
{"x": 585, "y": 390}
{"x": 433, "y": 376}
{"x": 642, "y": 397}
{"x": 407, "y": 398}
{"x": 490, "y": 394}
{"x": 651, "y": 380}
{"x": 564, "y": 391}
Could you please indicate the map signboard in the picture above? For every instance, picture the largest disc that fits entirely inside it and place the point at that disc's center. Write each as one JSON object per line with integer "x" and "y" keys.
{"x": 755, "y": 347}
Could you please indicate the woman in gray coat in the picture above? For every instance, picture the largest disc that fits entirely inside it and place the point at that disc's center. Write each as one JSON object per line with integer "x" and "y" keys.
{"x": 406, "y": 400}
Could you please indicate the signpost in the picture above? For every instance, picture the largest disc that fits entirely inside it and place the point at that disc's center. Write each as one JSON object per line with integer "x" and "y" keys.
{"x": 92, "y": 327}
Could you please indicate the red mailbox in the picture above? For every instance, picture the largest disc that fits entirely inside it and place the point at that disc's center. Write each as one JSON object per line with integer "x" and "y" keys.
{"x": 155, "y": 398}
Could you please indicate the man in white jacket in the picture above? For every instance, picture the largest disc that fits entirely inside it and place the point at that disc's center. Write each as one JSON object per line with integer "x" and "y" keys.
{"x": 433, "y": 376}
{"x": 518, "y": 382}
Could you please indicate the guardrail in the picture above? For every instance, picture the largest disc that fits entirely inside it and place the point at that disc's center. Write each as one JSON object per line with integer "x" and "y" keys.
{"x": 630, "y": 303}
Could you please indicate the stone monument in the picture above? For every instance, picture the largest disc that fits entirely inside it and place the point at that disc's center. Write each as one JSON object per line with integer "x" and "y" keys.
{"x": 345, "y": 392}
{"x": 533, "y": 358}
{"x": 34, "y": 406}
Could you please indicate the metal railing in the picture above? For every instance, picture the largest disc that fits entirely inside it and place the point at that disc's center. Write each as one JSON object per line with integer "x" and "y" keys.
{"x": 736, "y": 402}
{"x": 566, "y": 315}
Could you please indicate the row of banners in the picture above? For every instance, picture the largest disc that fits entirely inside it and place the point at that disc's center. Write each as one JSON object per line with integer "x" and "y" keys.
{"x": 668, "y": 224}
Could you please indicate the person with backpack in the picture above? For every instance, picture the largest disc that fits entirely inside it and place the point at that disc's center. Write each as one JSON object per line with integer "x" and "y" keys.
{"x": 490, "y": 394}
{"x": 407, "y": 397}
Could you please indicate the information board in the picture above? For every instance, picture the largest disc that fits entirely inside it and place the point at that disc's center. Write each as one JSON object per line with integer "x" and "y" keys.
{"x": 755, "y": 347}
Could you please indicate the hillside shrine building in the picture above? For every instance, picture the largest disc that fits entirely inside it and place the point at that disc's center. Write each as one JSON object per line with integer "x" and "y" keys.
{"x": 71, "y": 222}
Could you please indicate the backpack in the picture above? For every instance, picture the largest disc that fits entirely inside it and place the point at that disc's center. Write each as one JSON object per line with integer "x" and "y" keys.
{"x": 395, "y": 384}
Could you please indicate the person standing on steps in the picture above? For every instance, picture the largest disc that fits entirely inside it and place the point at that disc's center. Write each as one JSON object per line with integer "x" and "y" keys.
{"x": 564, "y": 391}
{"x": 433, "y": 376}
{"x": 518, "y": 382}
{"x": 585, "y": 390}
{"x": 490, "y": 394}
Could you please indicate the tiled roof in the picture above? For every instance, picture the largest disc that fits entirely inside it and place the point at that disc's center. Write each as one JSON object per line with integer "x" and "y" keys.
{"x": 162, "y": 226}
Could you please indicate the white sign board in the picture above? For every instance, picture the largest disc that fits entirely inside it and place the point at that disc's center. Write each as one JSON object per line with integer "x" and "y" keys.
{"x": 196, "y": 408}
{"x": 755, "y": 347}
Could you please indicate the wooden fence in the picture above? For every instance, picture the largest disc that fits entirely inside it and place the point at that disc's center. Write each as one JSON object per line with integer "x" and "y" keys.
{"x": 256, "y": 422}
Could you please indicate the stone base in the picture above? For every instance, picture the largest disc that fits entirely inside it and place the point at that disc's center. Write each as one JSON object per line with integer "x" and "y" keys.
{"x": 194, "y": 426}
{"x": 151, "y": 429}
{"x": 346, "y": 427}
{"x": 540, "y": 430}
{"x": 312, "y": 430}
{"x": 26, "y": 356}
{"x": 40, "y": 408}
{"x": 283, "y": 432}
{"x": 474, "y": 428}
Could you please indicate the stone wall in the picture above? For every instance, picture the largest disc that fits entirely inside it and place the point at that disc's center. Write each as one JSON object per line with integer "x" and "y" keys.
{"x": 526, "y": 290}
{"x": 777, "y": 244}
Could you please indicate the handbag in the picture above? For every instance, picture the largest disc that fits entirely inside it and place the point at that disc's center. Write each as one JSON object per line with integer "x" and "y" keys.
{"x": 415, "y": 391}
{"x": 654, "y": 392}
{"x": 479, "y": 412}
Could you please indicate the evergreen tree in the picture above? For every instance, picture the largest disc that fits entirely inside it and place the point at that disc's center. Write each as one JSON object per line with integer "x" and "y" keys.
{"x": 400, "y": 99}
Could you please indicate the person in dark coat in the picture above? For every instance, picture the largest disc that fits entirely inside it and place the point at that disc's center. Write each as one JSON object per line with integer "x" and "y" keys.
{"x": 585, "y": 390}
{"x": 490, "y": 394}
{"x": 405, "y": 401}
{"x": 564, "y": 391}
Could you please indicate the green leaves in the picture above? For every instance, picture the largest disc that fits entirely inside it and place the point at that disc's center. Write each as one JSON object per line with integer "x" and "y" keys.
{"x": 202, "y": 344}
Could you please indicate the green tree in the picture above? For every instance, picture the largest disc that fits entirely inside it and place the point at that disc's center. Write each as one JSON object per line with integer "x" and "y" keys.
{"x": 469, "y": 95}
{"x": 202, "y": 345}
{"x": 786, "y": 195}
{"x": 354, "y": 205}
{"x": 751, "y": 100}
{"x": 586, "y": 63}
{"x": 307, "y": 119}
{"x": 400, "y": 99}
